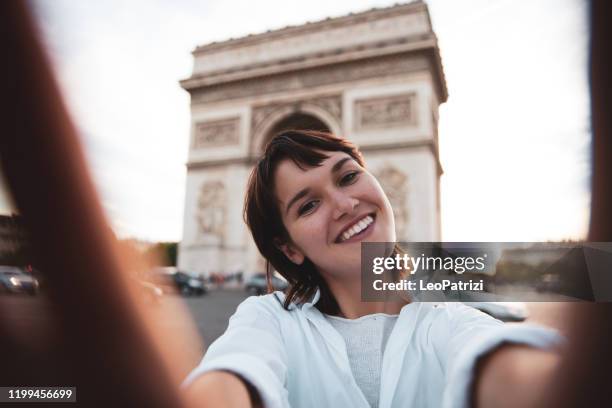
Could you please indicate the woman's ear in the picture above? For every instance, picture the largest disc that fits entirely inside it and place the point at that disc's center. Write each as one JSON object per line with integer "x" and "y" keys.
{"x": 290, "y": 251}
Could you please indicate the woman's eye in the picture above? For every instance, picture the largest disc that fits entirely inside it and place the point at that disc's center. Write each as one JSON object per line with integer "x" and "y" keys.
{"x": 349, "y": 178}
{"x": 307, "y": 207}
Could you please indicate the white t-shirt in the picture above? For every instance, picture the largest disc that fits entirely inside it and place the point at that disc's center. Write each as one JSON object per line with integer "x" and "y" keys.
{"x": 296, "y": 358}
{"x": 366, "y": 339}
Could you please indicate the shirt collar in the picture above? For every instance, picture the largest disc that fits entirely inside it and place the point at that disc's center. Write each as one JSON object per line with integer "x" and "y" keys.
{"x": 317, "y": 296}
{"x": 304, "y": 306}
{"x": 313, "y": 300}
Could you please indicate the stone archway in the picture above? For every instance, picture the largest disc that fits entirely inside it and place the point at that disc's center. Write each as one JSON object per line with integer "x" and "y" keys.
{"x": 316, "y": 114}
{"x": 298, "y": 121}
{"x": 295, "y": 121}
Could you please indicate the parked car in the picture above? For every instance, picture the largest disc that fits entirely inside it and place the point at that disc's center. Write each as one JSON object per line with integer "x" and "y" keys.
{"x": 189, "y": 284}
{"x": 171, "y": 280}
{"x": 15, "y": 280}
{"x": 258, "y": 285}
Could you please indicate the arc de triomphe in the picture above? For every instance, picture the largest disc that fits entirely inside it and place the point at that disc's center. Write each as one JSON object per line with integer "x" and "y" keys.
{"x": 374, "y": 77}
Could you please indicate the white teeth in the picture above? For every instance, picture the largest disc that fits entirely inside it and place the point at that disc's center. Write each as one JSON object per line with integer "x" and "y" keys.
{"x": 357, "y": 227}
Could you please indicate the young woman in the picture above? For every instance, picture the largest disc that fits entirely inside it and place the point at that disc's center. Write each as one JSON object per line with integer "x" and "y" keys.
{"x": 310, "y": 203}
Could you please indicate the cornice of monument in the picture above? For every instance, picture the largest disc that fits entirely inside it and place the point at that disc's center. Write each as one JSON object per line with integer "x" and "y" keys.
{"x": 316, "y": 59}
{"x": 324, "y": 74}
{"x": 380, "y": 33}
{"x": 289, "y": 31}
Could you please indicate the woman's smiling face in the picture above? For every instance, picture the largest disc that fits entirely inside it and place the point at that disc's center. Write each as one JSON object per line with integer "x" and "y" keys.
{"x": 329, "y": 210}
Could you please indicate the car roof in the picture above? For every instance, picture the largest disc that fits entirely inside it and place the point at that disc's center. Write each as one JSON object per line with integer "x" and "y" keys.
{"x": 10, "y": 269}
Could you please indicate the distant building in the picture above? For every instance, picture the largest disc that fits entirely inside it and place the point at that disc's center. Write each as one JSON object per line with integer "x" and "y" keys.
{"x": 374, "y": 77}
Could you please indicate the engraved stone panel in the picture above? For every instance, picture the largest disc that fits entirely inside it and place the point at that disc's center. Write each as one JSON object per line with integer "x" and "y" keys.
{"x": 260, "y": 113}
{"x": 385, "y": 112}
{"x": 407, "y": 21}
{"x": 331, "y": 104}
{"x": 211, "y": 210}
{"x": 287, "y": 82}
{"x": 217, "y": 133}
{"x": 395, "y": 184}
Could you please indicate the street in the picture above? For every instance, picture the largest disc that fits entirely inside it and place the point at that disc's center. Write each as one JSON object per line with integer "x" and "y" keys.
{"x": 191, "y": 324}
{"x": 212, "y": 311}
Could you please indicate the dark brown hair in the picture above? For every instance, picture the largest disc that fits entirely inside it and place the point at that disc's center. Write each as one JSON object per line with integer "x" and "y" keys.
{"x": 263, "y": 217}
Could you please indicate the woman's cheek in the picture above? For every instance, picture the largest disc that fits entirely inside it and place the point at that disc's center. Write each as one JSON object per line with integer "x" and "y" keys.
{"x": 308, "y": 232}
{"x": 315, "y": 232}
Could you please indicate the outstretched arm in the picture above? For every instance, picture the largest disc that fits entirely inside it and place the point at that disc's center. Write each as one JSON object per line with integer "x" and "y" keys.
{"x": 514, "y": 376}
{"x": 492, "y": 364}
{"x": 224, "y": 390}
{"x": 247, "y": 364}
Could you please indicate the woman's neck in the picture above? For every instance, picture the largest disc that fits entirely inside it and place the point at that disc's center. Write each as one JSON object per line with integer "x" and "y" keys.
{"x": 348, "y": 297}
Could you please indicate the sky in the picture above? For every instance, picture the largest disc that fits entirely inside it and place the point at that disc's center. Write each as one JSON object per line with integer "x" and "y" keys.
{"x": 514, "y": 134}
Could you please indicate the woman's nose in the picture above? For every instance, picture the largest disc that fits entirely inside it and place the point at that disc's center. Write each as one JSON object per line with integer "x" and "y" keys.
{"x": 344, "y": 204}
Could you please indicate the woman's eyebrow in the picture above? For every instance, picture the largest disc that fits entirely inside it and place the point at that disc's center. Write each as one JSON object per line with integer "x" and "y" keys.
{"x": 335, "y": 168}
{"x": 339, "y": 164}
{"x": 296, "y": 197}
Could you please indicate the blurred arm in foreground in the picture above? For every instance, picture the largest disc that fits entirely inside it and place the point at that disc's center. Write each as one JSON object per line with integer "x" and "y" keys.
{"x": 94, "y": 334}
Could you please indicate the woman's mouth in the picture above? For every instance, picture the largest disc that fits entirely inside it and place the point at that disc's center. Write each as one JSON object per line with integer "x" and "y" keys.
{"x": 358, "y": 230}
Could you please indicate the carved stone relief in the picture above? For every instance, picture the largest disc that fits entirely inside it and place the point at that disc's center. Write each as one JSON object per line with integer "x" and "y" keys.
{"x": 385, "y": 112}
{"x": 217, "y": 133}
{"x": 211, "y": 209}
{"x": 395, "y": 184}
{"x": 335, "y": 38}
{"x": 287, "y": 82}
{"x": 331, "y": 104}
{"x": 260, "y": 113}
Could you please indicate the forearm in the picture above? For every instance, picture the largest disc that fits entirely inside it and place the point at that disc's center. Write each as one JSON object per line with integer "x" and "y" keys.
{"x": 514, "y": 376}
{"x": 221, "y": 389}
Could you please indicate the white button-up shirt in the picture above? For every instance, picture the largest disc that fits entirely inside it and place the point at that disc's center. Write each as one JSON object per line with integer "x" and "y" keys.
{"x": 296, "y": 358}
